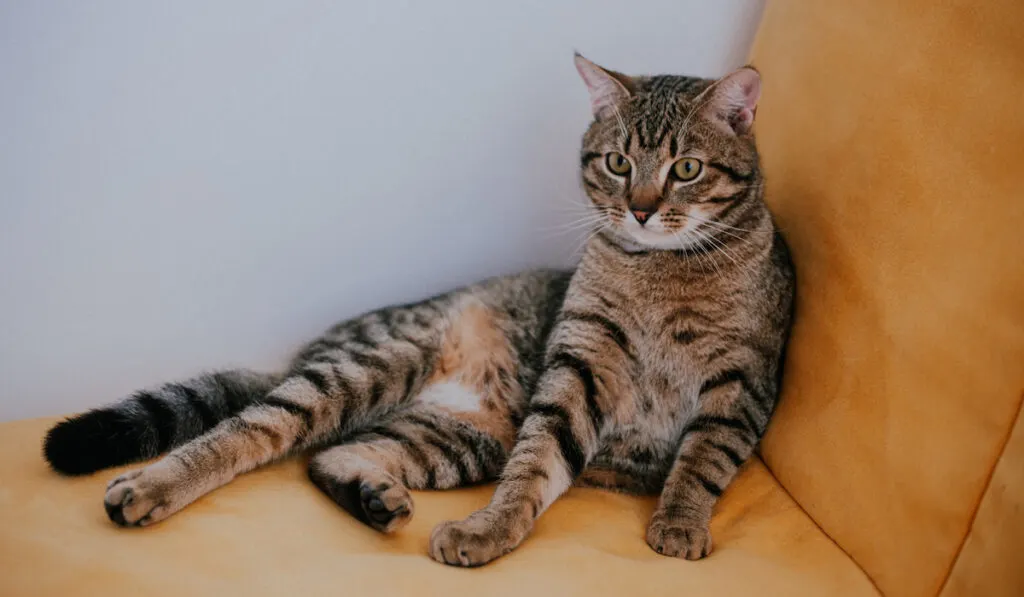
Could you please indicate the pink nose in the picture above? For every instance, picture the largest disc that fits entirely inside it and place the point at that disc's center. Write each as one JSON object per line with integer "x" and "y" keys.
{"x": 641, "y": 216}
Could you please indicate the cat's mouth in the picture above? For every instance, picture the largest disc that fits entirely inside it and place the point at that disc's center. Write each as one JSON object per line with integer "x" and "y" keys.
{"x": 655, "y": 234}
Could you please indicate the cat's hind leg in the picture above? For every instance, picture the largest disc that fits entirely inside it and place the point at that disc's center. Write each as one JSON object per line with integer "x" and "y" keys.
{"x": 405, "y": 367}
{"x": 424, "y": 447}
{"x": 356, "y": 374}
{"x": 457, "y": 431}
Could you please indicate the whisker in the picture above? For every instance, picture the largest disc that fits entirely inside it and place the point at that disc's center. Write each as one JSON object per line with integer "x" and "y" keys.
{"x": 724, "y": 226}
{"x": 733, "y": 235}
{"x": 678, "y": 234}
{"x": 742, "y": 266}
{"x": 578, "y": 220}
{"x": 574, "y": 205}
{"x": 572, "y": 214}
{"x": 697, "y": 251}
{"x": 582, "y": 228}
{"x": 585, "y": 213}
{"x": 587, "y": 238}
{"x": 703, "y": 237}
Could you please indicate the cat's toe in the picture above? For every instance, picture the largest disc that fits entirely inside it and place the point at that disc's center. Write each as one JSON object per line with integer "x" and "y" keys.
{"x": 469, "y": 543}
{"x": 115, "y": 505}
{"x": 132, "y": 501}
{"x": 387, "y": 507}
{"x": 679, "y": 538}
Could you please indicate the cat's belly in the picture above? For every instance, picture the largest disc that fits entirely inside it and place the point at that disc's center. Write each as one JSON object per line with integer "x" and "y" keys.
{"x": 638, "y": 450}
{"x": 636, "y": 456}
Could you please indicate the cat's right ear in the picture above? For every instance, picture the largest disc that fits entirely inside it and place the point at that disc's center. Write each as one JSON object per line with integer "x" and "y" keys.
{"x": 733, "y": 100}
{"x": 608, "y": 89}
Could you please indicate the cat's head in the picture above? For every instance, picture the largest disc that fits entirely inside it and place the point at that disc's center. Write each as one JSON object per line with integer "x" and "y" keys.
{"x": 670, "y": 162}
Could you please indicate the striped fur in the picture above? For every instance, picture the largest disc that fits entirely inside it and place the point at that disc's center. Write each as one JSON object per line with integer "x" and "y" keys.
{"x": 652, "y": 368}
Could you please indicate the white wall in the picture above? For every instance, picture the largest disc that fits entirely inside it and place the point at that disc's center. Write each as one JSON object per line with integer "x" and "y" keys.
{"x": 191, "y": 184}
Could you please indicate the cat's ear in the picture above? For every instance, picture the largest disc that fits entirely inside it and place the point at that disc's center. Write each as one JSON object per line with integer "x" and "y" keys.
{"x": 608, "y": 89}
{"x": 733, "y": 100}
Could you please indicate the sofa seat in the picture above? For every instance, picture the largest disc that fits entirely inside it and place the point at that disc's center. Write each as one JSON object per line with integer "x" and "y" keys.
{"x": 272, "y": 533}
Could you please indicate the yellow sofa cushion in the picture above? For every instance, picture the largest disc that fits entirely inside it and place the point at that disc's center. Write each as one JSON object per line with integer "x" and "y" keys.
{"x": 893, "y": 146}
{"x": 272, "y": 533}
{"x": 990, "y": 562}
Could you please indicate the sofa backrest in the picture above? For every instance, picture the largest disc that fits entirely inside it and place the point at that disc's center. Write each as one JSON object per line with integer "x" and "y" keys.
{"x": 892, "y": 135}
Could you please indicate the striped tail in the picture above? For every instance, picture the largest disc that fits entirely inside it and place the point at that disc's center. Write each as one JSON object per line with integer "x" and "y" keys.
{"x": 150, "y": 422}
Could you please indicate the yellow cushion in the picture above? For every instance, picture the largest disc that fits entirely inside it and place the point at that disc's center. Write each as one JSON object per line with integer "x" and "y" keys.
{"x": 989, "y": 563}
{"x": 272, "y": 533}
{"x": 893, "y": 144}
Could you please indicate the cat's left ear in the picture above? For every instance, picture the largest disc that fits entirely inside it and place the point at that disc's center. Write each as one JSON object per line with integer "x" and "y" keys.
{"x": 733, "y": 100}
{"x": 608, "y": 89}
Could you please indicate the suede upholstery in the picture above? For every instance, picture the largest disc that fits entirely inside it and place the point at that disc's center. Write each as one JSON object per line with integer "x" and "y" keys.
{"x": 893, "y": 147}
{"x": 895, "y": 464}
{"x": 272, "y": 532}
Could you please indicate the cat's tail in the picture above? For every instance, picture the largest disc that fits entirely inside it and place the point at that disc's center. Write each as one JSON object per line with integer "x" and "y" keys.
{"x": 151, "y": 422}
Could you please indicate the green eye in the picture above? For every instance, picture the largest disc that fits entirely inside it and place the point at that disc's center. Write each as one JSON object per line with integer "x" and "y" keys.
{"x": 617, "y": 163}
{"x": 687, "y": 169}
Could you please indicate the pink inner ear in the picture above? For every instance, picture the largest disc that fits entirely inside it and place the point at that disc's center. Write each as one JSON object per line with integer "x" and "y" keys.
{"x": 605, "y": 91}
{"x": 742, "y": 120}
{"x": 736, "y": 99}
{"x": 747, "y": 87}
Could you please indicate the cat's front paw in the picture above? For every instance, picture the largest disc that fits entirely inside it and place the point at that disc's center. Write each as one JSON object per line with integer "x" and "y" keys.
{"x": 143, "y": 496}
{"x": 471, "y": 542}
{"x": 679, "y": 538}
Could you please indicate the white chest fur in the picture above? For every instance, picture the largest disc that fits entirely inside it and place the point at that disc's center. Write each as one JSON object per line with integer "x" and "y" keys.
{"x": 451, "y": 395}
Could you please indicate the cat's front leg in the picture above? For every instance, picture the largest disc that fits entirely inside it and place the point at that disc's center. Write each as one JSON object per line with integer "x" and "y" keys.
{"x": 557, "y": 439}
{"x": 732, "y": 418}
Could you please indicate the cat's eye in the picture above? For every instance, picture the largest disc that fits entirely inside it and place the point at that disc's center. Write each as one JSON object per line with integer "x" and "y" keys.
{"x": 687, "y": 169}
{"x": 617, "y": 163}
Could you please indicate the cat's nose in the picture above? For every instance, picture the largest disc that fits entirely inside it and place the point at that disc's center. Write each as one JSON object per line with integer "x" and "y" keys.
{"x": 641, "y": 215}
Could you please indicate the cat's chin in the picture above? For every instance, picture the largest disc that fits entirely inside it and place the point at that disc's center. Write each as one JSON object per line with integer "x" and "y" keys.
{"x": 638, "y": 240}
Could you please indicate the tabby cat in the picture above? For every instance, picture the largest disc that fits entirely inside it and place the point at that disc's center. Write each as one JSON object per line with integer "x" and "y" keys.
{"x": 652, "y": 368}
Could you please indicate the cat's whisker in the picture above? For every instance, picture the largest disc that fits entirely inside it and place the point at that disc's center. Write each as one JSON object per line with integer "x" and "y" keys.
{"x": 741, "y": 265}
{"x": 723, "y": 226}
{"x": 719, "y": 246}
{"x": 587, "y": 238}
{"x": 581, "y": 213}
{"x": 703, "y": 254}
{"x": 700, "y": 261}
{"x": 582, "y": 229}
{"x": 733, "y": 235}
{"x": 584, "y": 225}
{"x": 699, "y": 250}
{"x": 566, "y": 204}
{"x": 562, "y": 217}
{"x": 579, "y": 218}
{"x": 569, "y": 206}
{"x": 573, "y": 223}
{"x": 718, "y": 225}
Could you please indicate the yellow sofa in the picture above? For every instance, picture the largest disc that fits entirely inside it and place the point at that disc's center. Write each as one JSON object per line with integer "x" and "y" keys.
{"x": 895, "y": 464}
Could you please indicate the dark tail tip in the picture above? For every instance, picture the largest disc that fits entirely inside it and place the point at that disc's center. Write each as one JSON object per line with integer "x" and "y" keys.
{"x": 92, "y": 441}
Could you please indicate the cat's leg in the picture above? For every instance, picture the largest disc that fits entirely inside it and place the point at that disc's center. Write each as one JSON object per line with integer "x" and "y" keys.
{"x": 458, "y": 430}
{"x": 423, "y": 447}
{"x": 573, "y": 401}
{"x": 360, "y": 370}
{"x": 734, "y": 408}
